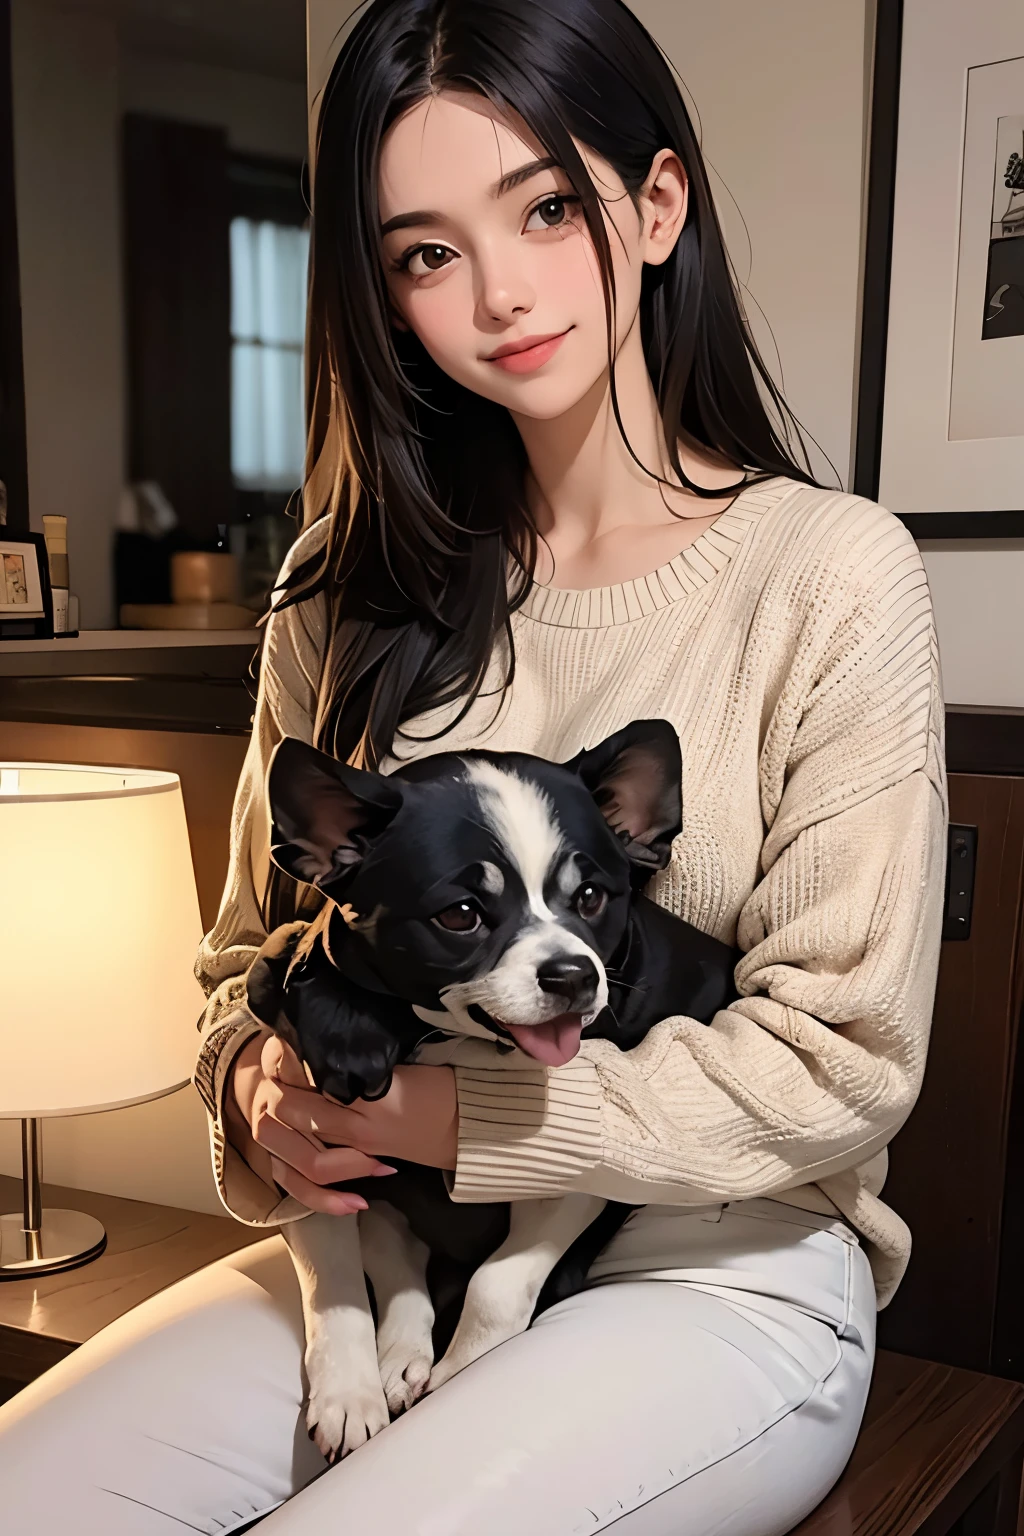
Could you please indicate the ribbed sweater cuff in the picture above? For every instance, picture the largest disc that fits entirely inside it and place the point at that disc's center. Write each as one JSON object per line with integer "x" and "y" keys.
{"x": 526, "y": 1132}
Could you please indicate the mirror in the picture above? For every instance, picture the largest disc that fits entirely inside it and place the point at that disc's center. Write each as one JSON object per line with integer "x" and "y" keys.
{"x": 158, "y": 185}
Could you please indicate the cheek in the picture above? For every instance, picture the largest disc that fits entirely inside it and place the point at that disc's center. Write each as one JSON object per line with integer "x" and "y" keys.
{"x": 442, "y": 318}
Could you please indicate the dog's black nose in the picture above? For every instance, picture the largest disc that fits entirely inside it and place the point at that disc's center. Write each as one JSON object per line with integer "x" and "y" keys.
{"x": 574, "y": 979}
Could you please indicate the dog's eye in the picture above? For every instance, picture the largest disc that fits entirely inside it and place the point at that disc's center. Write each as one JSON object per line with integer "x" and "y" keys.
{"x": 591, "y": 901}
{"x": 463, "y": 917}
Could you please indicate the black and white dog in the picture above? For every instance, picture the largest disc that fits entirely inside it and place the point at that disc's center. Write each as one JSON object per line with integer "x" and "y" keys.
{"x": 482, "y": 894}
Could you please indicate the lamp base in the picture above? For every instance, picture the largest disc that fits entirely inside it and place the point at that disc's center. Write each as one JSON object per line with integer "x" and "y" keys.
{"x": 65, "y": 1239}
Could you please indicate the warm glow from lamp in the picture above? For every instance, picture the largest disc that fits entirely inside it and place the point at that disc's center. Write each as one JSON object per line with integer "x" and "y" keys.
{"x": 99, "y": 929}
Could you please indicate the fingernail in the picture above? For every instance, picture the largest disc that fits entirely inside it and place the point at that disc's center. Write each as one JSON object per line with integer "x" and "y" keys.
{"x": 381, "y": 1169}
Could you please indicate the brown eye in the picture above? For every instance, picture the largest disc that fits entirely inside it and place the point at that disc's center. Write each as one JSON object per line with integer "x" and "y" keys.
{"x": 463, "y": 917}
{"x": 591, "y": 901}
{"x": 552, "y": 212}
{"x": 428, "y": 258}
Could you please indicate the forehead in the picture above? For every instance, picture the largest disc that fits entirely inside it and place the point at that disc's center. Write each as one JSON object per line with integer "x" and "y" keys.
{"x": 447, "y": 147}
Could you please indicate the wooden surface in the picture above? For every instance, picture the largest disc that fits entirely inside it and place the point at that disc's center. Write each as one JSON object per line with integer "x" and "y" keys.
{"x": 952, "y": 1167}
{"x": 983, "y": 740}
{"x": 207, "y": 765}
{"x": 933, "y": 1440}
{"x": 148, "y": 1248}
{"x": 131, "y": 640}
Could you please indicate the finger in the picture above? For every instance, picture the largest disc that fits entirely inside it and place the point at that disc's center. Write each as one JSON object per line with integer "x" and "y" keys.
{"x": 279, "y": 1061}
{"x": 321, "y": 1165}
{"x": 312, "y": 1114}
{"x": 333, "y": 1202}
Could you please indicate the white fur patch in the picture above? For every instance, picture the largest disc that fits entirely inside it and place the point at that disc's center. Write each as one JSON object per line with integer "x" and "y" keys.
{"x": 523, "y": 820}
{"x": 491, "y": 878}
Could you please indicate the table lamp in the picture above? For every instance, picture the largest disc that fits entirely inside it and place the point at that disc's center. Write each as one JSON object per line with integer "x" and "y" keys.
{"x": 99, "y": 930}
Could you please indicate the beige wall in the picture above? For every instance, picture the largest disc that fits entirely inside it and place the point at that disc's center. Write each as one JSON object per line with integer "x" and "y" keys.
{"x": 779, "y": 91}
{"x": 72, "y": 80}
{"x": 978, "y": 590}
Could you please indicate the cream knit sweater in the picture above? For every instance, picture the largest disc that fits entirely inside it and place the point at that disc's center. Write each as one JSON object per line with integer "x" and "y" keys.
{"x": 792, "y": 647}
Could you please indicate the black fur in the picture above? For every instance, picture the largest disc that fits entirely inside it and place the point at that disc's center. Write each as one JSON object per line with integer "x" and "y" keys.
{"x": 342, "y": 996}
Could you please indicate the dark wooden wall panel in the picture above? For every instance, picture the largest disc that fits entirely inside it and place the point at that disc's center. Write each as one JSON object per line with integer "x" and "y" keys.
{"x": 178, "y": 291}
{"x": 207, "y": 765}
{"x": 13, "y": 448}
{"x": 948, "y": 1166}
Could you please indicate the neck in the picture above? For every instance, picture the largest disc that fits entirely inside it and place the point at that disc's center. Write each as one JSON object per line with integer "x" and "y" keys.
{"x": 584, "y": 483}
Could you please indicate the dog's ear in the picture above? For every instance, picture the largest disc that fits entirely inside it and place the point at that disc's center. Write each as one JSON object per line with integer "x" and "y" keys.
{"x": 324, "y": 814}
{"x": 635, "y": 778}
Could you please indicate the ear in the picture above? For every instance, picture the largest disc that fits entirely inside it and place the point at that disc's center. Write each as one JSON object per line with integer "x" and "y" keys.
{"x": 324, "y": 814}
{"x": 664, "y": 198}
{"x": 635, "y": 778}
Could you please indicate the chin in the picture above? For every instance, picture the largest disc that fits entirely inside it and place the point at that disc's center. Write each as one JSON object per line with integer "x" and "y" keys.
{"x": 544, "y": 399}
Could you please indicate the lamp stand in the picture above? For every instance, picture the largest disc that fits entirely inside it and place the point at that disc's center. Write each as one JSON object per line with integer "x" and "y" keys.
{"x": 38, "y": 1242}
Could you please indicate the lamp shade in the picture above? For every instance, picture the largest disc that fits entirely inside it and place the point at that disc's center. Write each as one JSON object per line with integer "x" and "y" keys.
{"x": 99, "y": 930}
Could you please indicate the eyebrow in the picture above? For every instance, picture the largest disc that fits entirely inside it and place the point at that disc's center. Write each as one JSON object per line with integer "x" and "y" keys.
{"x": 506, "y": 183}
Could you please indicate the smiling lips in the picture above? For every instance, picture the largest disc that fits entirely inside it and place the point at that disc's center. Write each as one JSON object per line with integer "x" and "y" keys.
{"x": 529, "y": 353}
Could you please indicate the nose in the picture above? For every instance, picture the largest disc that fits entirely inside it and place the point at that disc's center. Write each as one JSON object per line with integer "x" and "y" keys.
{"x": 505, "y": 291}
{"x": 573, "y": 978}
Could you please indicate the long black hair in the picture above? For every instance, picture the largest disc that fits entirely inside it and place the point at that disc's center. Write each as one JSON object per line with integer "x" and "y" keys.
{"x": 423, "y": 480}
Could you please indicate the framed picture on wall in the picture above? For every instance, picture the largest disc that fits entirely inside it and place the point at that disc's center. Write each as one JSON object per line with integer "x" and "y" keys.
{"x": 26, "y": 602}
{"x": 940, "y": 425}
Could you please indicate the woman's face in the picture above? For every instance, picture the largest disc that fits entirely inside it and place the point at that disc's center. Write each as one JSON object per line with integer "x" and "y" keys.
{"x": 486, "y": 247}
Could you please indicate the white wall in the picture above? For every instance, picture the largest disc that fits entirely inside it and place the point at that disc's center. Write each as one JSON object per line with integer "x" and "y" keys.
{"x": 72, "y": 80}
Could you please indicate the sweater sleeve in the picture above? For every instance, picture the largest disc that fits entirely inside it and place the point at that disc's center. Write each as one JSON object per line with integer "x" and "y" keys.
{"x": 816, "y": 1065}
{"x": 286, "y": 704}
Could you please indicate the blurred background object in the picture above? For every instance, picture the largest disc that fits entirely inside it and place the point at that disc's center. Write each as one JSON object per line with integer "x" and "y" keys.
{"x": 162, "y": 242}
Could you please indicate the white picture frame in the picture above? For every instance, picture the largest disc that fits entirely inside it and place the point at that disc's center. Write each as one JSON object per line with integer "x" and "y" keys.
{"x": 22, "y": 592}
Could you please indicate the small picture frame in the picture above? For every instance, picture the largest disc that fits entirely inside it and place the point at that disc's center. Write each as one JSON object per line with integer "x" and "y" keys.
{"x": 26, "y": 601}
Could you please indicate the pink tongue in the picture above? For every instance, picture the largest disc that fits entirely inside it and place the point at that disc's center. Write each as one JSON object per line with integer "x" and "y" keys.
{"x": 554, "y": 1042}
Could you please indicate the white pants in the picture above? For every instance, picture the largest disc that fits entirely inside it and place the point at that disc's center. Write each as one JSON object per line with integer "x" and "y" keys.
{"x": 722, "y": 1396}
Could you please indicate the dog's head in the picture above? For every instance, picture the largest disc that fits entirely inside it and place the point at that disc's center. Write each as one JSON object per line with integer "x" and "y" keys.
{"x": 493, "y": 885}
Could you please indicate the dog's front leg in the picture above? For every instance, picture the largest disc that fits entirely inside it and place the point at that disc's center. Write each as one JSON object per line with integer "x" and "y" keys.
{"x": 503, "y": 1292}
{"x": 396, "y": 1262}
{"x": 346, "y": 1400}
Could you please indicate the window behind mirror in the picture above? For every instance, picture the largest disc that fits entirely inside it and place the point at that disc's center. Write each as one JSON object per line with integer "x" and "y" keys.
{"x": 268, "y": 314}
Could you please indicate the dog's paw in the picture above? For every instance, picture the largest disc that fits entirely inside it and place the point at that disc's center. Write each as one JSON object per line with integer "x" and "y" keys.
{"x": 339, "y": 1422}
{"x": 346, "y": 1407}
{"x": 404, "y": 1372}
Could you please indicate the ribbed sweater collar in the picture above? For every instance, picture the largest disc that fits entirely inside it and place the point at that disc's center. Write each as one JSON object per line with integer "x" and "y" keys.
{"x": 692, "y": 568}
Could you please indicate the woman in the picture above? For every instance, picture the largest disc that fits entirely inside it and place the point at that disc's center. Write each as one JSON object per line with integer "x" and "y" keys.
{"x": 546, "y": 498}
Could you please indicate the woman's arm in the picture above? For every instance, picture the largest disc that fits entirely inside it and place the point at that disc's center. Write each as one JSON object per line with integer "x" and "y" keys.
{"x": 285, "y": 706}
{"x": 811, "y": 1072}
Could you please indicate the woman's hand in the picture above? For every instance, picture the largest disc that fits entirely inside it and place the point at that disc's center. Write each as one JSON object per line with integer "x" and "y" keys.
{"x": 304, "y": 1141}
